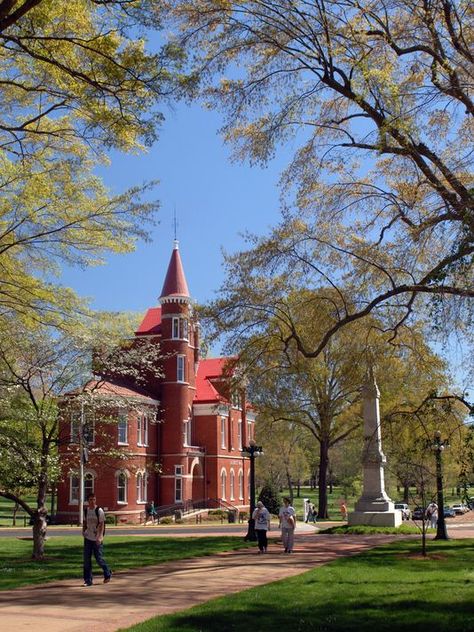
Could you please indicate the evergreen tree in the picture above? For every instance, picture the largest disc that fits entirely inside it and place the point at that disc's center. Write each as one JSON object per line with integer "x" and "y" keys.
{"x": 270, "y": 497}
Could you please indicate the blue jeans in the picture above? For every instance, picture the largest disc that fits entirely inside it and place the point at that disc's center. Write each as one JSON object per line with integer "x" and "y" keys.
{"x": 90, "y": 546}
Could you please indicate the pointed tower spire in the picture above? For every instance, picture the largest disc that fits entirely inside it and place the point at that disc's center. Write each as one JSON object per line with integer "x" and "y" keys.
{"x": 175, "y": 286}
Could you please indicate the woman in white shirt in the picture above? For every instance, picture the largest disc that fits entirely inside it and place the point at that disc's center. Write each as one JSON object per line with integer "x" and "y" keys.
{"x": 261, "y": 516}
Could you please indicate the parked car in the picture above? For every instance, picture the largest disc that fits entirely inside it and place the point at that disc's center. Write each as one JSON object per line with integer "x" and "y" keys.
{"x": 449, "y": 512}
{"x": 405, "y": 509}
{"x": 418, "y": 513}
{"x": 460, "y": 508}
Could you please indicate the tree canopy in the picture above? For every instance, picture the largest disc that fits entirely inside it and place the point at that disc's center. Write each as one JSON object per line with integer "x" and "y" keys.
{"x": 376, "y": 98}
{"x": 77, "y": 79}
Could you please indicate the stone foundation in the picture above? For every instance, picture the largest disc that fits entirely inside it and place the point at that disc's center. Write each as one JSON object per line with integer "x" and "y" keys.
{"x": 376, "y": 518}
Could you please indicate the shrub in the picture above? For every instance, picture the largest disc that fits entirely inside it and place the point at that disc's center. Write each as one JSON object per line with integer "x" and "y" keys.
{"x": 270, "y": 497}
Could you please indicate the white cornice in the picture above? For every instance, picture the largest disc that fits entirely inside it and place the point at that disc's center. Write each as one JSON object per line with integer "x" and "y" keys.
{"x": 201, "y": 410}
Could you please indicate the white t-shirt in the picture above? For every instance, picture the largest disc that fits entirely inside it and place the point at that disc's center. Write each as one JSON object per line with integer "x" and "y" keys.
{"x": 91, "y": 520}
{"x": 262, "y": 518}
{"x": 285, "y": 513}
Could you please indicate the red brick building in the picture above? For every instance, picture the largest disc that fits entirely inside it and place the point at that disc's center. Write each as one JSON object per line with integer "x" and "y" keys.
{"x": 176, "y": 439}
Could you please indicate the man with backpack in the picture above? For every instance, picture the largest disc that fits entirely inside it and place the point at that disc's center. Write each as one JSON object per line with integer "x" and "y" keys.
{"x": 93, "y": 528}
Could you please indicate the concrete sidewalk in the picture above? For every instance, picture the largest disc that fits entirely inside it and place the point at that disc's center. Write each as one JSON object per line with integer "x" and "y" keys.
{"x": 139, "y": 594}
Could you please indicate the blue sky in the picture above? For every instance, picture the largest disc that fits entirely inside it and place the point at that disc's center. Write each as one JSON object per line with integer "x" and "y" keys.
{"x": 215, "y": 200}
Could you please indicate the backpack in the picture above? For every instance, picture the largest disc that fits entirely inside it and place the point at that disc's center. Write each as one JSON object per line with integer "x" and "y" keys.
{"x": 97, "y": 516}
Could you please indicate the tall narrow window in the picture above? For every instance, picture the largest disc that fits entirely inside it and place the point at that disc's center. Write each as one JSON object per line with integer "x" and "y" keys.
{"x": 75, "y": 426}
{"x": 178, "y": 483}
{"x": 142, "y": 429}
{"x": 249, "y": 431}
{"x": 175, "y": 333}
{"x": 187, "y": 432}
{"x": 181, "y": 364}
{"x": 223, "y": 484}
{"x": 87, "y": 422}
{"x": 122, "y": 488}
{"x": 241, "y": 485}
{"x": 239, "y": 434}
{"x": 232, "y": 484}
{"x": 142, "y": 484}
{"x": 223, "y": 433}
{"x": 122, "y": 427}
{"x": 74, "y": 487}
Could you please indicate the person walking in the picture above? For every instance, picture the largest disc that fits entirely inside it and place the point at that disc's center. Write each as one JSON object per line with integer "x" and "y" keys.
{"x": 343, "y": 509}
{"x": 93, "y": 528}
{"x": 261, "y": 516}
{"x": 312, "y": 513}
{"x": 287, "y": 518}
{"x": 432, "y": 514}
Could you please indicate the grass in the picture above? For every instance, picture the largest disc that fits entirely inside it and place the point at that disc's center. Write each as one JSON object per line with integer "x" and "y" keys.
{"x": 64, "y": 556}
{"x": 391, "y": 588}
{"x": 334, "y": 500}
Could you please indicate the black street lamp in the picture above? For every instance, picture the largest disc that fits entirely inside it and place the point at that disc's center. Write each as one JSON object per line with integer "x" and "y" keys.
{"x": 252, "y": 451}
{"x": 438, "y": 446}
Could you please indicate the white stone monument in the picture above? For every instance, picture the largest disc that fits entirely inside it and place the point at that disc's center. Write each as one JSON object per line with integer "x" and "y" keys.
{"x": 374, "y": 507}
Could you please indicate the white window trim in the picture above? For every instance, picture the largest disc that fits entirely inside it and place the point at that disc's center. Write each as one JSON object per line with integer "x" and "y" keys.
{"x": 142, "y": 430}
{"x": 181, "y": 368}
{"x": 118, "y": 475}
{"x": 241, "y": 485}
{"x": 232, "y": 485}
{"x": 122, "y": 417}
{"x": 178, "y": 476}
{"x": 87, "y": 475}
{"x": 223, "y": 432}
{"x": 142, "y": 488}
{"x": 223, "y": 484}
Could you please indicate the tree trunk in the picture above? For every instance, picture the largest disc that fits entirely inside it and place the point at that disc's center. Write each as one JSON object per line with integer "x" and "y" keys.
{"x": 290, "y": 486}
{"x": 323, "y": 470}
{"x": 39, "y": 516}
{"x": 39, "y": 533}
{"x": 406, "y": 493}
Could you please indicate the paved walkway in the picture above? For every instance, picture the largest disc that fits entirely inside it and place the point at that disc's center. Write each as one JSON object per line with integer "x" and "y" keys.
{"x": 67, "y": 606}
{"x": 136, "y": 595}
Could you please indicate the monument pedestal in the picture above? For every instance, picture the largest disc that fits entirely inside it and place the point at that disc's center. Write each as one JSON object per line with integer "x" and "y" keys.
{"x": 375, "y": 518}
{"x": 374, "y": 507}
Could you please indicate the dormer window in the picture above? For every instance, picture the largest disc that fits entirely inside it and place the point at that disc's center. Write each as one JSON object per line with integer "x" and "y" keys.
{"x": 180, "y": 328}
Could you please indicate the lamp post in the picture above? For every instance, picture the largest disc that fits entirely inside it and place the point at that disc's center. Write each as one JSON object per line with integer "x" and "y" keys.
{"x": 252, "y": 450}
{"x": 438, "y": 446}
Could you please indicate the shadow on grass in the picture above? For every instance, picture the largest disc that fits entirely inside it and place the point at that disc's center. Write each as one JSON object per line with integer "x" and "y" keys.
{"x": 332, "y": 616}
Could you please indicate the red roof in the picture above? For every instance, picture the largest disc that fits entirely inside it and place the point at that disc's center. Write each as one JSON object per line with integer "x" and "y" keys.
{"x": 175, "y": 281}
{"x": 105, "y": 388}
{"x": 151, "y": 323}
{"x": 209, "y": 369}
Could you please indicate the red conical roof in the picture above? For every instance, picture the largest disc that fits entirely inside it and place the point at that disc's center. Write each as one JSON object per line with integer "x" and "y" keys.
{"x": 175, "y": 281}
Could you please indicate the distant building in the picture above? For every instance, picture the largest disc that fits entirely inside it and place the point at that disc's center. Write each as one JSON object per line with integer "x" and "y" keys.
{"x": 180, "y": 434}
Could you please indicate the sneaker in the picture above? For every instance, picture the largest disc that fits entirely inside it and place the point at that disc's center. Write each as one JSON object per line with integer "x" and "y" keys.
{"x": 107, "y": 579}
{"x": 87, "y": 584}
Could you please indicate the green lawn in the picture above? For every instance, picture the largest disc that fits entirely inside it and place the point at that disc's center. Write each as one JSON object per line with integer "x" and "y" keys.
{"x": 387, "y": 589}
{"x": 334, "y": 500}
{"x": 64, "y": 555}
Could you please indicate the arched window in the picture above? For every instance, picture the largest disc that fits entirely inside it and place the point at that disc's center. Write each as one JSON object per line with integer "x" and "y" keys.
{"x": 142, "y": 484}
{"x": 241, "y": 485}
{"x": 122, "y": 488}
{"x": 223, "y": 484}
{"x": 232, "y": 485}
